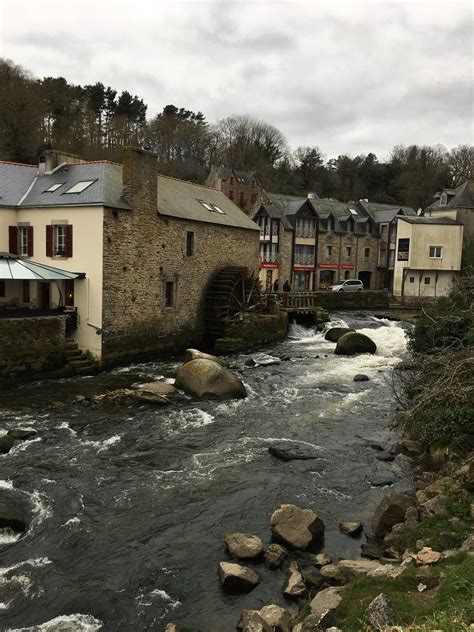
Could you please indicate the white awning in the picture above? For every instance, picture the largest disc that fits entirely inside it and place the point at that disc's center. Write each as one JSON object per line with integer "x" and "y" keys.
{"x": 14, "y": 268}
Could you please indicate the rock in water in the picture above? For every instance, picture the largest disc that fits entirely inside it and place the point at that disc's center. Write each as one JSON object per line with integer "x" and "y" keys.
{"x": 206, "y": 378}
{"x": 295, "y": 586}
{"x": 353, "y": 343}
{"x": 155, "y": 393}
{"x": 243, "y": 545}
{"x": 360, "y": 377}
{"x": 389, "y": 512}
{"x": 293, "y": 451}
{"x": 251, "y": 621}
{"x": 351, "y": 528}
{"x": 335, "y": 333}
{"x": 379, "y": 612}
{"x": 297, "y": 527}
{"x": 236, "y": 578}
{"x": 275, "y": 555}
{"x": 276, "y": 617}
{"x": 194, "y": 354}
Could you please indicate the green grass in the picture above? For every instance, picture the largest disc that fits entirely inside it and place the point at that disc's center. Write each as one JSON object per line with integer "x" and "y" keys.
{"x": 449, "y": 605}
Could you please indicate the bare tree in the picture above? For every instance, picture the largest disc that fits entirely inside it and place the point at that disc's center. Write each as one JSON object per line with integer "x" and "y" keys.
{"x": 461, "y": 163}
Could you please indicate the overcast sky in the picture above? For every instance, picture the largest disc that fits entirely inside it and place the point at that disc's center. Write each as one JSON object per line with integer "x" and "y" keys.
{"x": 350, "y": 77}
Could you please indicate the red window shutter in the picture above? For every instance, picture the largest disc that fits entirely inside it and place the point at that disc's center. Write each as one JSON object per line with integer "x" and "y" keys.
{"x": 49, "y": 240}
{"x": 13, "y": 240}
{"x": 30, "y": 241}
{"x": 68, "y": 240}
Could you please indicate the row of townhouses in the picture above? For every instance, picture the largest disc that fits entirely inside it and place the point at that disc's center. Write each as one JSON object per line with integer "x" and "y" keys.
{"x": 127, "y": 251}
{"x": 313, "y": 243}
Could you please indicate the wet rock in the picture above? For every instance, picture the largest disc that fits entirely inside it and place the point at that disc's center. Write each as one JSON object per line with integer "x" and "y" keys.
{"x": 194, "y": 354}
{"x": 381, "y": 479}
{"x": 427, "y": 556}
{"x": 243, "y": 546}
{"x": 20, "y": 434}
{"x": 312, "y": 577}
{"x": 251, "y": 621}
{"x": 333, "y": 334}
{"x": 322, "y": 559}
{"x": 206, "y": 378}
{"x": 276, "y": 617}
{"x": 8, "y": 438}
{"x": 15, "y": 510}
{"x": 262, "y": 359}
{"x": 390, "y": 511}
{"x": 295, "y": 586}
{"x": 235, "y": 578}
{"x": 352, "y": 529}
{"x": 296, "y": 527}
{"x": 360, "y": 377}
{"x": 323, "y": 604}
{"x": 275, "y": 555}
{"x": 155, "y": 393}
{"x": 6, "y": 442}
{"x": 385, "y": 456}
{"x": 371, "y": 550}
{"x": 379, "y": 612}
{"x": 294, "y": 451}
{"x": 353, "y": 343}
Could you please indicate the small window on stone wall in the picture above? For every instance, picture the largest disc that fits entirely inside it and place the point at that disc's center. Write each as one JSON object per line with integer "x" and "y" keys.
{"x": 170, "y": 294}
{"x": 189, "y": 244}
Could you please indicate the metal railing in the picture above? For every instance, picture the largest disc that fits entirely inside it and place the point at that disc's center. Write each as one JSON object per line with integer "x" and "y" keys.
{"x": 304, "y": 260}
{"x": 304, "y": 231}
{"x": 270, "y": 257}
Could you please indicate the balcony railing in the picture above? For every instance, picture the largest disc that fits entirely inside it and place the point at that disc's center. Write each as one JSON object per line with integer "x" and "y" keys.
{"x": 304, "y": 260}
{"x": 267, "y": 234}
{"x": 270, "y": 257}
{"x": 304, "y": 231}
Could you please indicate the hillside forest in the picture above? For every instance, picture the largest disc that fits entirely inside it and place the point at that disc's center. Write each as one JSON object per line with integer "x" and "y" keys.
{"x": 96, "y": 121}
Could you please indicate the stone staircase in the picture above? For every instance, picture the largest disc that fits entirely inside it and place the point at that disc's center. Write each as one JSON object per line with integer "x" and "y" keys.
{"x": 79, "y": 361}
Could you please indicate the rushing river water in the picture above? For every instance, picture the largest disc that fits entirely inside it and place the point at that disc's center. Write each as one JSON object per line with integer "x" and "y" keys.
{"x": 130, "y": 504}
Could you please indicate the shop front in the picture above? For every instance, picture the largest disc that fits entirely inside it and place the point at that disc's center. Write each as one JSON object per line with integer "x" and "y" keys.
{"x": 327, "y": 275}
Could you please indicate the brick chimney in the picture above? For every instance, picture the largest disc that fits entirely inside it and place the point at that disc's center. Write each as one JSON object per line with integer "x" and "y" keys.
{"x": 140, "y": 178}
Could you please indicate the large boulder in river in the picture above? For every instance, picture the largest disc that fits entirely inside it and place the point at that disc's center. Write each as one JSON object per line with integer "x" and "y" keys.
{"x": 353, "y": 343}
{"x": 243, "y": 546}
{"x": 296, "y": 527}
{"x": 206, "y": 378}
{"x": 390, "y": 511}
{"x": 294, "y": 451}
{"x": 194, "y": 354}
{"x": 335, "y": 333}
{"x": 236, "y": 578}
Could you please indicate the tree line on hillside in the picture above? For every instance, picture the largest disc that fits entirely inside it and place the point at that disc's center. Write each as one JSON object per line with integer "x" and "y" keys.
{"x": 96, "y": 121}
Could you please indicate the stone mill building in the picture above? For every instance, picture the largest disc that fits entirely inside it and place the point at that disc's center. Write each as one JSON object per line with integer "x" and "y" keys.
{"x": 126, "y": 252}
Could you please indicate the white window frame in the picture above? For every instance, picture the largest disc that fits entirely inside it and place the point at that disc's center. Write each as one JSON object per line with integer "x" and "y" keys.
{"x": 54, "y": 187}
{"x": 59, "y": 240}
{"x": 434, "y": 249}
{"x": 79, "y": 187}
{"x": 23, "y": 241}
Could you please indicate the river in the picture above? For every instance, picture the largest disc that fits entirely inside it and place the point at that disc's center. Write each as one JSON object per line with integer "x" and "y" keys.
{"x": 130, "y": 505}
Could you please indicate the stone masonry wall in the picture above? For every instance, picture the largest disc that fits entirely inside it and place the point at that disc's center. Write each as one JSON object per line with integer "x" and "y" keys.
{"x": 31, "y": 345}
{"x": 143, "y": 251}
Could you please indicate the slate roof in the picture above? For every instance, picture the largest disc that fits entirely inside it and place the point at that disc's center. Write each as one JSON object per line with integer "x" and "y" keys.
{"x": 431, "y": 220}
{"x": 25, "y": 187}
{"x": 382, "y": 213}
{"x": 462, "y": 197}
{"x": 183, "y": 200}
{"x": 242, "y": 176}
{"x": 22, "y": 186}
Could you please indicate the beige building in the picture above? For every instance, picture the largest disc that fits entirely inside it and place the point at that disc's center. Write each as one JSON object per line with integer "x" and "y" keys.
{"x": 428, "y": 256}
{"x": 145, "y": 246}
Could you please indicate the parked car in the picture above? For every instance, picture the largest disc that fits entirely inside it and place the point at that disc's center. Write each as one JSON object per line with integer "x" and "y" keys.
{"x": 347, "y": 285}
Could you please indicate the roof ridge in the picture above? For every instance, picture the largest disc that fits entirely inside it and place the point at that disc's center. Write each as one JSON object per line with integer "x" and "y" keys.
{"x": 197, "y": 184}
{"x": 18, "y": 164}
{"x": 90, "y": 162}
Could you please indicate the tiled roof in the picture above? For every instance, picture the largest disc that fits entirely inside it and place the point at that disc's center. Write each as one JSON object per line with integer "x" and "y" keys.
{"x": 461, "y": 197}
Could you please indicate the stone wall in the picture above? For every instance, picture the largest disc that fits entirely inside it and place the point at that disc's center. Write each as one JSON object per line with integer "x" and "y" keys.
{"x": 144, "y": 251}
{"x": 252, "y": 331}
{"x": 31, "y": 345}
{"x": 353, "y": 300}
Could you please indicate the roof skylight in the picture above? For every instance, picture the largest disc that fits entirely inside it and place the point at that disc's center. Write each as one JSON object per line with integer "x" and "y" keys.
{"x": 53, "y": 187}
{"x": 219, "y": 210}
{"x": 352, "y": 211}
{"x": 79, "y": 187}
{"x": 206, "y": 205}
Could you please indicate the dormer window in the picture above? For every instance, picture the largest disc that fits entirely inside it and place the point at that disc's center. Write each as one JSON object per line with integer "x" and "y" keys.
{"x": 330, "y": 223}
{"x": 350, "y": 225}
{"x": 443, "y": 200}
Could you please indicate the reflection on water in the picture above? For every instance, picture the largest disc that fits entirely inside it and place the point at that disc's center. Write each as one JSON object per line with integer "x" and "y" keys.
{"x": 130, "y": 503}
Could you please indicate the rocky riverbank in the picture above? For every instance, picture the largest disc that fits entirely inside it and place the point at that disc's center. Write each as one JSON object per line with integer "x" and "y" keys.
{"x": 416, "y": 572}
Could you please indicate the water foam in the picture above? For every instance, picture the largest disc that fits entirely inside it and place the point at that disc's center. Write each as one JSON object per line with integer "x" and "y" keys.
{"x": 76, "y": 622}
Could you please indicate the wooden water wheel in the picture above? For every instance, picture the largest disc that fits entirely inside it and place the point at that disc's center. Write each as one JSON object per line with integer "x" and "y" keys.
{"x": 232, "y": 291}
